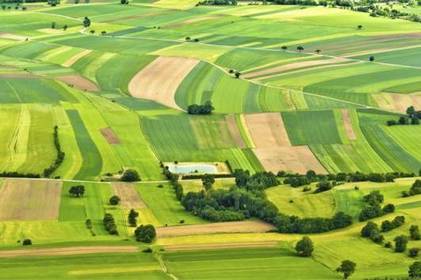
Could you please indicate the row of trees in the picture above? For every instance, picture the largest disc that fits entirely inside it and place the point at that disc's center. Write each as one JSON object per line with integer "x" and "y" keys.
{"x": 297, "y": 180}
{"x": 59, "y": 157}
{"x": 412, "y": 118}
{"x": 109, "y": 224}
{"x": 218, "y": 3}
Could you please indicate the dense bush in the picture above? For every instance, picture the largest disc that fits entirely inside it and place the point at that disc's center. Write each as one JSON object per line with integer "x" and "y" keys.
{"x": 204, "y": 109}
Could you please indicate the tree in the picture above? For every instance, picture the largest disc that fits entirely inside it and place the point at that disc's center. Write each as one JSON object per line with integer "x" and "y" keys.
{"x": 284, "y": 48}
{"x": 369, "y": 229}
{"x": 413, "y": 252}
{"x": 130, "y": 175}
{"x": 410, "y": 111}
{"x": 414, "y": 232}
{"x": 360, "y": 27}
{"x": 414, "y": 271}
{"x": 371, "y": 58}
{"x": 133, "y": 214}
{"x": 318, "y": 51}
{"x": 415, "y": 188}
{"x": 300, "y": 48}
{"x": 86, "y": 22}
{"x": 388, "y": 208}
{"x": 415, "y": 121}
{"x": 53, "y": 25}
{"x": 27, "y": 242}
{"x": 401, "y": 242}
{"x": 403, "y": 120}
{"x": 237, "y": 74}
{"x": 145, "y": 233}
{"x": 208, "y": 181}
{"x": 124, "y": 2}
{"x": 77, "y": 191}
{"x": 114, "y": 200}
{"x": 304, "y": 247}
{"x": 65, "y": 27}
{"x": 347, "y": 267}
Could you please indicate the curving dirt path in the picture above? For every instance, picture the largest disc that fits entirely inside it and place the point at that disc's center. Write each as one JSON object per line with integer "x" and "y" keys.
{"x": 160, "y": 79}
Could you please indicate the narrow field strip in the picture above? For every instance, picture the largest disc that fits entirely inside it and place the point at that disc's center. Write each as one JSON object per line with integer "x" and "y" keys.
{"x": 227, "y": 227}
{"x": 76, "y": 58}
{"x": 67, "y": 251}
{"x": 222, "y": 245}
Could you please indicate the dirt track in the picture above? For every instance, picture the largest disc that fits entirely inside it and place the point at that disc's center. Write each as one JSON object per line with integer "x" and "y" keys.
{"x": 160, "y": 79}
{"x": 227, "y": 227}
{"x": 67, "y": 251}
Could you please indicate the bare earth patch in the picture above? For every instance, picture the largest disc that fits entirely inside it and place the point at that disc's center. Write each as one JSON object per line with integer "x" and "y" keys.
{"x": 267, "y": 130}
{"x": 160, "y": 79}
{"x": 296, "y": 159}
{"x": 397, "y": 102}
{"x": 348, "y": 124}
{"x": 228, "y": 227}
{"x": 188, "y": 247}
{"x": 29, "y": 200}
{"x": 110, "y": 136}
{"x": 130, "y": 199}
{"x": 67, "y": 251}
{"x": 273, "y": 147}
{"x": 76, "y": 57}
{"x": 79, "y": 82}
{"x": 267, "y": 73}
{"x": 234, "y": 131}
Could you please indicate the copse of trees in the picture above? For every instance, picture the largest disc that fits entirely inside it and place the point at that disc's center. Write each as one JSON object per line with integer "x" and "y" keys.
{"x": 145, "y": 233}
{"x": 372, "y": 207}
{"x": 414, "y": 271}
{"x": 247, "y": 199}
{"x": 371, "y": 231}
{"x": 205, "y": 109}
{"x": 414, "y": 232}
{"x": 77, "y": 191}
{"x": 395, "y": 223}
{"x": 414, "y": 190}
{"x": 217, "y": 3}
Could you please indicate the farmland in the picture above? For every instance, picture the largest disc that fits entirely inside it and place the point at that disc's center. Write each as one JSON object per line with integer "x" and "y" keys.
{"x": 91, "y": 91}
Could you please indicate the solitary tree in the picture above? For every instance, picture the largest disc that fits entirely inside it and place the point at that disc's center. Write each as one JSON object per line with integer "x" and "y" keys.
{"x": 284, "y": 48}
{"x": 371, "y": 58}
{"x": 304, "y": 247}
{"x": 401, "y": 242}
{"x": 65, "y": 27}
{"x": 360, "y": 27}
{"x": 114, "y": 200}
{"x": 318, "y": 51}
{"x": 145, "y": 233}
{"x": 86, "y": 22}
{"x": 77, "y": 191}
{"x": 130, "y": 175}
{"x": 300, "y": 48}
{"x": 347, "y": 267}
{"x": 133, "y": 218}
{"x": 414, "y": 271}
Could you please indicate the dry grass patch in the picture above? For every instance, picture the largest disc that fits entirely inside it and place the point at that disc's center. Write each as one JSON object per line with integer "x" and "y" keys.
{"x": 110, "y": 136}
{"x": 160, "y": 79}
{"x": 29, "y": 199}
{"x": 67, "y": 251}
{"x": 10, "y": 36}
{"x": 348, "y": 124}
{"x": 79, "y": 82}
{"x": 76, "y": 57}
{"x": 227, "y": 227}
{"x": 130, "y": 199}
{"x": 397, "y": 102}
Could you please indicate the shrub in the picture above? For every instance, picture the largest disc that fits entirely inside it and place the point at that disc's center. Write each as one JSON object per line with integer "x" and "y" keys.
{"x": 114, "y": 200}
{"x": 27, "y": 242}
{"x": 413, "y": 252}
{"x": 304, "y": 247}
